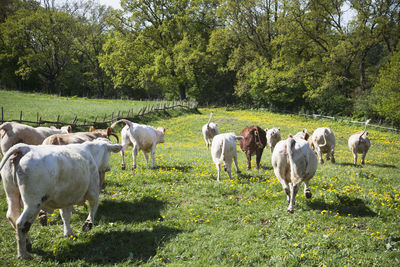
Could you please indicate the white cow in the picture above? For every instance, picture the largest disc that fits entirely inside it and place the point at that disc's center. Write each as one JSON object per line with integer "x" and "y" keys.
{"x": 12, "y": 133}
{"x": 359, "y": 144}
{"x": 223, "y": 150}
{"x": 323, "y": 141}
{"x": 52, "y": 177}
{"x": 141, "y": 137}
{"x": 209, "y": 130}
{"x": 294, "y": 162}
{"x": 273, "y": 137}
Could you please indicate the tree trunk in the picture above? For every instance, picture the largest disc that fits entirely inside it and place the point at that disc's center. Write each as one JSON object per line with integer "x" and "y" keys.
{"x": 182, "y": 92}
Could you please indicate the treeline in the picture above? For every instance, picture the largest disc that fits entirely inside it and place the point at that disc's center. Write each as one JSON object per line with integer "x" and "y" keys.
{"x": 334, "y": 57}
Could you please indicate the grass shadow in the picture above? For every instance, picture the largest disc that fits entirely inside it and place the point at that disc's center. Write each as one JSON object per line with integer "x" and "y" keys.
{"x": 353, "y": 206}
{"x": 128, "y": 212}
{"x": 178, "y": 168}
{"x": 383, "y": 165}
{"x": 115, "y": 246}
{"x": 348, "y": 164}
{"x": 248, "y": 177}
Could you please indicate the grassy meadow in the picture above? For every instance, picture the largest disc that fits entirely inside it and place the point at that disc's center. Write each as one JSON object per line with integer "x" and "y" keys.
{"x": 177, "y": 214}
{"x": 50, "y": 106}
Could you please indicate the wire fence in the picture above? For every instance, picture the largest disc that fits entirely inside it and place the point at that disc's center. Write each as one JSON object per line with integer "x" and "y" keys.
{"x": 107, "y": 118}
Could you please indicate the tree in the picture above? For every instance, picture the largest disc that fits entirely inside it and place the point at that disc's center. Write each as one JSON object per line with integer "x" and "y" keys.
{"x": 42, "y": 40}
{"x": 387, "y": 90}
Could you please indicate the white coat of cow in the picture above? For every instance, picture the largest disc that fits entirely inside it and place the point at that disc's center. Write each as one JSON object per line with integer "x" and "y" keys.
{"x": 52, "y": 177}
{"x": 273, "y": 137}
{"x": 359, "y": 144}
{"x": 223, "y": 150}
{"x": 12, "y": 133}
{"x": 141, "y": 137}
{"x": 294, "y": 162}
{"x": 322, "y": 140}
{"x": 209, "y": 130}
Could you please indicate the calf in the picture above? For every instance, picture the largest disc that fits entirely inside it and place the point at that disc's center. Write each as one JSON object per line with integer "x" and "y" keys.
{"x": 141, "y": 137}
{"x": 52, "y": 177}
{"x": 273, "y": 137}
{"x": 223, "y": 150}
{"x": 253, "y": 142}
{"x": 209, "y": 130}
{"x": 12, "y": 133}
{"x": 104, "y": 133}
{"x": 359, "y": 144}
{"x": 294, "y": 162}
{"x": 322, "y": 140}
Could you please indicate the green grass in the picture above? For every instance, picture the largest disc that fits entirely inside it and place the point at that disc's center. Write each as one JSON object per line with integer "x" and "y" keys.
{"x": 50, "y": 107}
{"x": 177, "y": 214}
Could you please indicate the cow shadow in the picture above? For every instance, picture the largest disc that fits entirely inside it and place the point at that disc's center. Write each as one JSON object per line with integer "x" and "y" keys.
{"x": 353, "y": 206}
{"x": 127, "y": 212}
{"x": 113, "y": 247}
{"x": 346, "y": 164}
{"x": 249, "y": 177}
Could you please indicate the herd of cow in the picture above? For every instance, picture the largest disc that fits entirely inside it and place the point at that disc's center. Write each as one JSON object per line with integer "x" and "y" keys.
{"x": 47, "y": 168}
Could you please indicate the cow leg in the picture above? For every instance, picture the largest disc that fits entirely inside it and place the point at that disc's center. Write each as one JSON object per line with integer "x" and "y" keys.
{"x": 93, "y": 205}
{"x": 248, "y": 156}
{"x": 23, "y": 225}
{"x": 228, "y": 168}
{"x": 259, "y": 153}
{"x": 307, "y": 191}
{"x": 135, "y": 150}
{"x": 355, "y": 158}
{"x": 14, "y": 208}
{"x": 146, "y": 156}
{"x": 43, "y": 217}
{"x": 219, "y": 171}
{"x": 333, "y": 156}
{"x": 293, "y": 192}
{"x": 363, "y": 158}
{"x": 153, "y": 156}
{"x": 236, "y": 164}
{"x": 319, "y": 153}
{"x": 66, "y": 217}
{"x": 123, "y": 150}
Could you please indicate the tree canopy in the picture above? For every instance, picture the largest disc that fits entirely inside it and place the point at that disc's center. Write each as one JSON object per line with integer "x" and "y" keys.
{"x": 330, "y": 56}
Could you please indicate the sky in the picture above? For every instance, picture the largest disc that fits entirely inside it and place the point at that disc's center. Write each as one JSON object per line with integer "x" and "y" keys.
{"x": 113, "y": 3}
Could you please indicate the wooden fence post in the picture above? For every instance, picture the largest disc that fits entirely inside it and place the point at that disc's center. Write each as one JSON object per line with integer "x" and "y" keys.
{"x": 37, "y": 118}
{"x": 20, "y": 116}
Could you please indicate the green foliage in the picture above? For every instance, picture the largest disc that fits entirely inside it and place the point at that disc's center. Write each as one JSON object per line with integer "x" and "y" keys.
{"x": 387, "y": 90}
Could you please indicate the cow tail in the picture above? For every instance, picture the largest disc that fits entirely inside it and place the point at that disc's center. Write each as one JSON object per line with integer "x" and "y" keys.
{"x": 128, "y": 123}
{"x": 222, "y": 158}
{"x": 19, "y": 149}
{"x": 325, "y": 132}
{"x": 4, "y": 127}
{"x": 365, "y": 129}
{"x": 209, "y": 120}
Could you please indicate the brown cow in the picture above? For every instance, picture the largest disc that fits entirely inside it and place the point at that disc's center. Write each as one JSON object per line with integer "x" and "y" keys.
{"x": 253, "y": 142}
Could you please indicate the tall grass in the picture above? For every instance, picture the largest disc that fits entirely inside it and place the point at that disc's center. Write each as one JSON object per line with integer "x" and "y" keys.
{"x": 177, "y": 214}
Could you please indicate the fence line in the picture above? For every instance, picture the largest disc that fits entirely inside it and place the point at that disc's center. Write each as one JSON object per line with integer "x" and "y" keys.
{"x": 145, "y": 110}
{"x": 316, "y": 116}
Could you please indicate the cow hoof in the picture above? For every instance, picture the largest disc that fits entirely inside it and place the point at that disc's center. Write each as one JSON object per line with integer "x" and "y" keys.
{"x": 333, "y": 161}
{"x": 290, "y": 211}
{"x": 123, "y": 167}
{"x": 133, "y": 167}
{"x": 43, "y": 219}
{"x": 28, "y": 246}
{"x": 308, "y": 194}
{"x": 25, "y": 257}
{"x": 87, "y": 226}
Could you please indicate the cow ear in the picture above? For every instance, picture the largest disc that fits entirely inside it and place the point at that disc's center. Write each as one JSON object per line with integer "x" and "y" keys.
{"x": 91, "y": 129}
{"x": 108, "y": 131}
{"x": 164, "y": 130}
{"x": 266, "y": 130}
{"x": 366, "y": 133}
{"x": 279, "y": 129}
{"x": 69, "y": 129}
{"x": 114, "y": 147}
{"x": 290, "y": 136}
